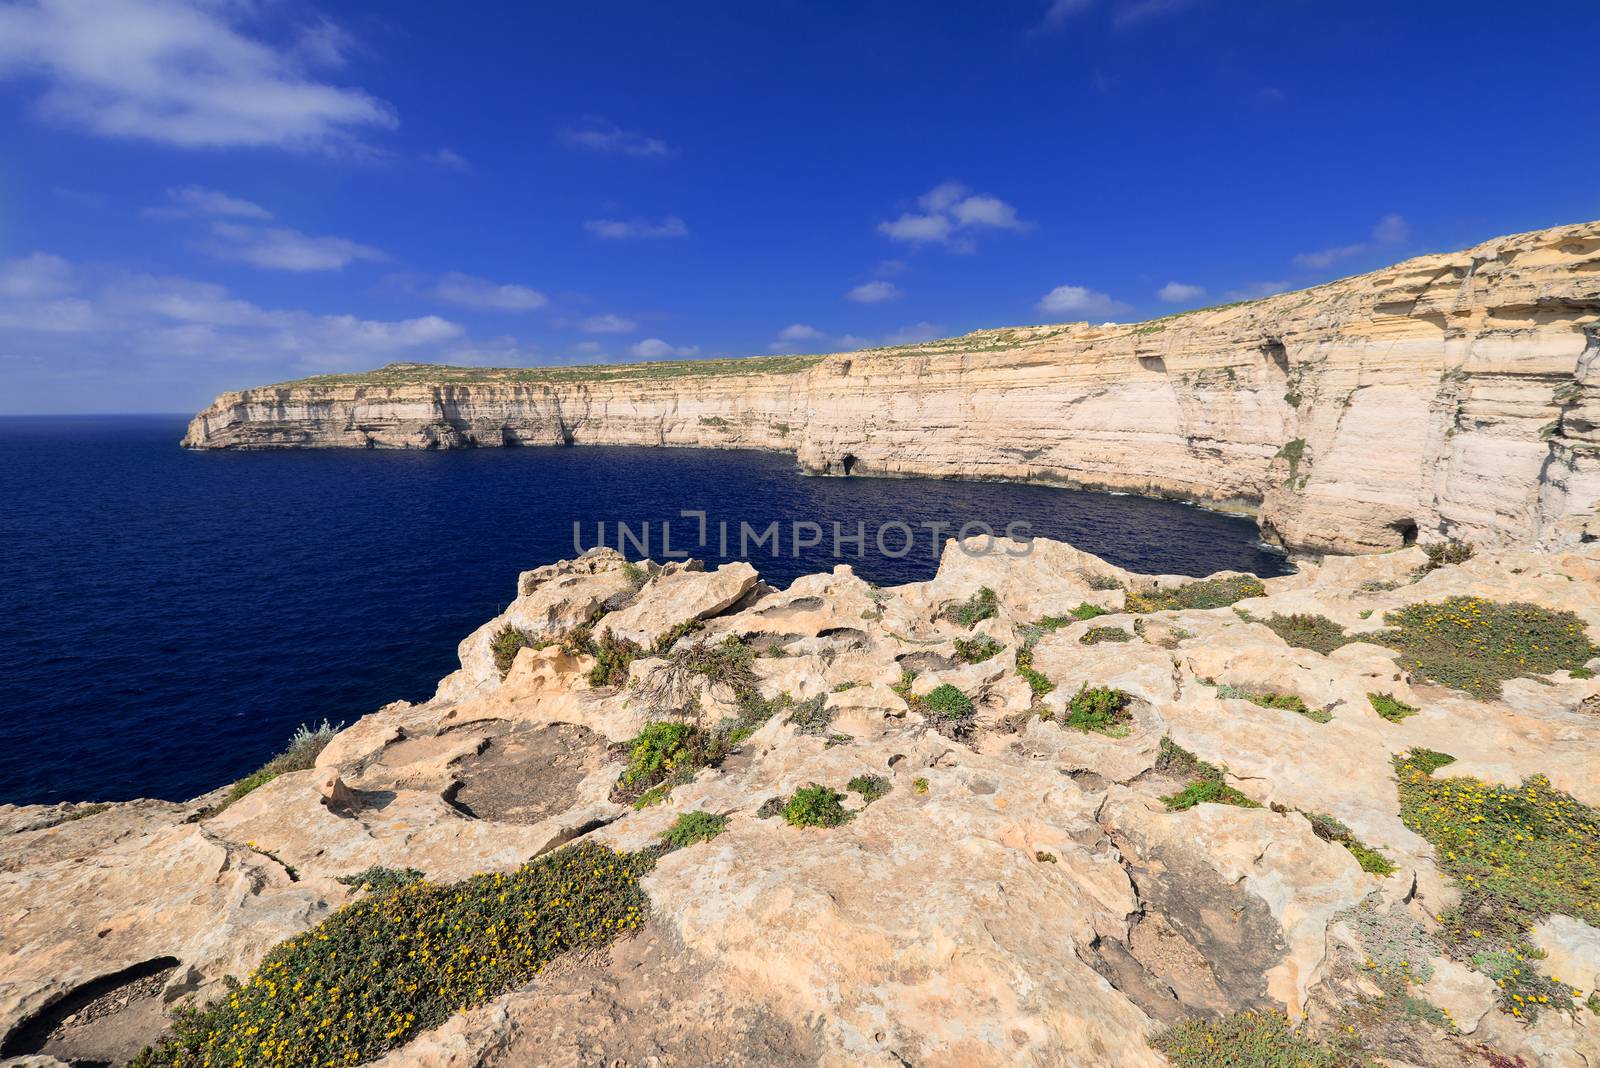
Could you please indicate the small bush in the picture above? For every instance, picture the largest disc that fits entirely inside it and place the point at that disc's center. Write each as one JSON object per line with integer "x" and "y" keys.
{"x": 1249, "y": 1040}
{"x": 305, "y": 745}
{"x": 660, "y": 747}
{"x": 815, "y": 806}
{"x": 613, "y": 657}
{"x": 1100, "y": 709}
{"x": 1084, "y": 611}
{"x": 1317, "y": 633}
{"x": 1472, "y": 644}
{"x": 1331, "y": 830}
{"x": 1207, "y": 593}
{"x": 388, "y": 966}
{"x": 380, "y": 880}
{"x": 1581, "y": 673}
{"x": 1037, "y": 680}
{"x": 728, "y": 663}
{"x": 976, "y": 650}
{"x": 984, "y": 604}
{"x": 1207, "y": 792}
{"x": 870, "y": 787}
{"x": 1286, "y": 701}
{"x": 812, "y": 716}
{"x": 919, "y": 786}
{"x": 1103, "y": 582}
{"x": 1445, "y": 553}
{"x": 507, "y": 642}
{"x": 636, "y": 575}
{"x": 1390, "y": 707}
{"x": 692, "y": 827}
{"x": 948, "y": 702}
{"x": 1096, "y": 635}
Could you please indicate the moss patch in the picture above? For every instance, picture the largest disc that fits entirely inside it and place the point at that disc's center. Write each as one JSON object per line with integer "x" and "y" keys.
{"x": 1390, "y": 707}
{"x": 1288, "y": 702}
{"x": 693, "y": 827}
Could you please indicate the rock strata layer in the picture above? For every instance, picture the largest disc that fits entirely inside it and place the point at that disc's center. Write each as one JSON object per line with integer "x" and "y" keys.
{"x": 1452, "y": 395}
{"x": 1020, "y": 895}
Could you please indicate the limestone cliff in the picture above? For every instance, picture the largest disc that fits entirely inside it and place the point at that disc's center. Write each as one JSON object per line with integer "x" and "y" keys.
{"x": 1005, "y": 880}
{"x": 1453, "y": 395}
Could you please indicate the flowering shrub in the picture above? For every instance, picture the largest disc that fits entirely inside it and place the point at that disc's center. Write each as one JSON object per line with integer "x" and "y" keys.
{"x": 1468, "y": 643}
{"x": 1249, "y": 1040}
{"x": 1517, "y": 854}
{"x": 1303, "y": 631}
{"x": 1208, "y": 593}
{"x": 376, "y": 972}
{"x": 1099, "y": 709}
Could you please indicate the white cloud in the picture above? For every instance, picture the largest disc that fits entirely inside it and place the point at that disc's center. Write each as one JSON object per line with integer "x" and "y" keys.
{"x": 799, "y": 332}
{"x": 914, "y": 334}
{"x": 189, "y": 201}
{"x": 653, "y": 348}
{"x": 1180, "y": 292}
{"x": 449, "y": 158}
{"x": 179, "y": 73}
{"x": 622, "y": 229}
{"x": 1390, "y": 230}
{"x": 1257, "y": 290}
{"x": 148, "y": 317}
{"x": 282, "y": 249}
{"x": 1060, "y": 12}
{"x": 37, "y": 275}
{"x": 1077, "y": 300}
{"x": 601, "y": 135}
{"x": 851, "y": 342}
{"x": 950, "y": 214}
{"x": 607, "y": 324}
{"x": 470, "y": 292}
{"x": 875, "y": 292}
{"x": 589, "y": 348}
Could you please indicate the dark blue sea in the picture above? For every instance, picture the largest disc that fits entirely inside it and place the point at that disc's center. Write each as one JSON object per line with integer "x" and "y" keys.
{"x": 167, "y": 618}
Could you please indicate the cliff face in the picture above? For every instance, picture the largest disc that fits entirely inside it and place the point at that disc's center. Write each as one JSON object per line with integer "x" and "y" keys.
{"x": 1451, "y": 395}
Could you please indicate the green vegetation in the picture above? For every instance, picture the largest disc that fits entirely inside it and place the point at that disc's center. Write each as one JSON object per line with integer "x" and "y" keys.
{"x": 976, "y": 650}
{"x": 507, "y": 642}
{"x": 83, "y": 812}
{"x": 1207, "y": 782}
{"x": 1250, "y": 1040}
{"x": 1442, "y": 553}
{"x": 429, "y": 374}
{"x": 660, "y": 748}
{"x": 713, "y": 420}
{"x": 843, "y": 686}
{"x": 390, "y": 965}
{"x": 1304, "y": 631}
{"x": 1096, "y": 635}
{"x": 1517, "y": 855}
{"x": 380, "y": 880}
{"x": 1286, "y": 701}
{"x": 980, "y": 606}
{"x": 1581, "y": 673}
{"x": 1292, "y": 451}
{"x": 948, "y": 702}
{"x": 1102, "y": 582}
{"x": 1207, "y": 593}
{"x": 1390, "y": 707}
{"x": 1428, "y": 761}
{"x": 1101, "y": 709}
{"x": 1084, "y": 611}
{"x": 812, "y": 716}
{"x": 870, "y": 787}
{"x": 1329, "y": 829}
{"x": 919, "y": 786}
{"x": 1037, "y": 680}
{"x": 728, "y": 663}
{"x": 1472, "y": 644}
{"x": 815, "y": 806}
{"x": 636, "y": 575}
{"x": 692, "y": 827}
{"x": 305, "y": 745}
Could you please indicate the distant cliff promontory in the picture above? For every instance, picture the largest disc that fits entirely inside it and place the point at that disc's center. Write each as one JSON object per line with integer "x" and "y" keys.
{"x": 1450, "y": 395}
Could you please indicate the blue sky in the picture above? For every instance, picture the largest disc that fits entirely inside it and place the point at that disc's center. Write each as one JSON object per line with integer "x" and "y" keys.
{"x": 198, "y": 196}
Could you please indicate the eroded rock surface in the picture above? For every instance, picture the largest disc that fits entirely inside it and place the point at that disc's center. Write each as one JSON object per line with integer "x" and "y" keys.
{"x": 1022, "y": 893}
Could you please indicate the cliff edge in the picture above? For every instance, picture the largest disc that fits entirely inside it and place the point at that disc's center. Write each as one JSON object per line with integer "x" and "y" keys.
{"x": 1452, "y": 395}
